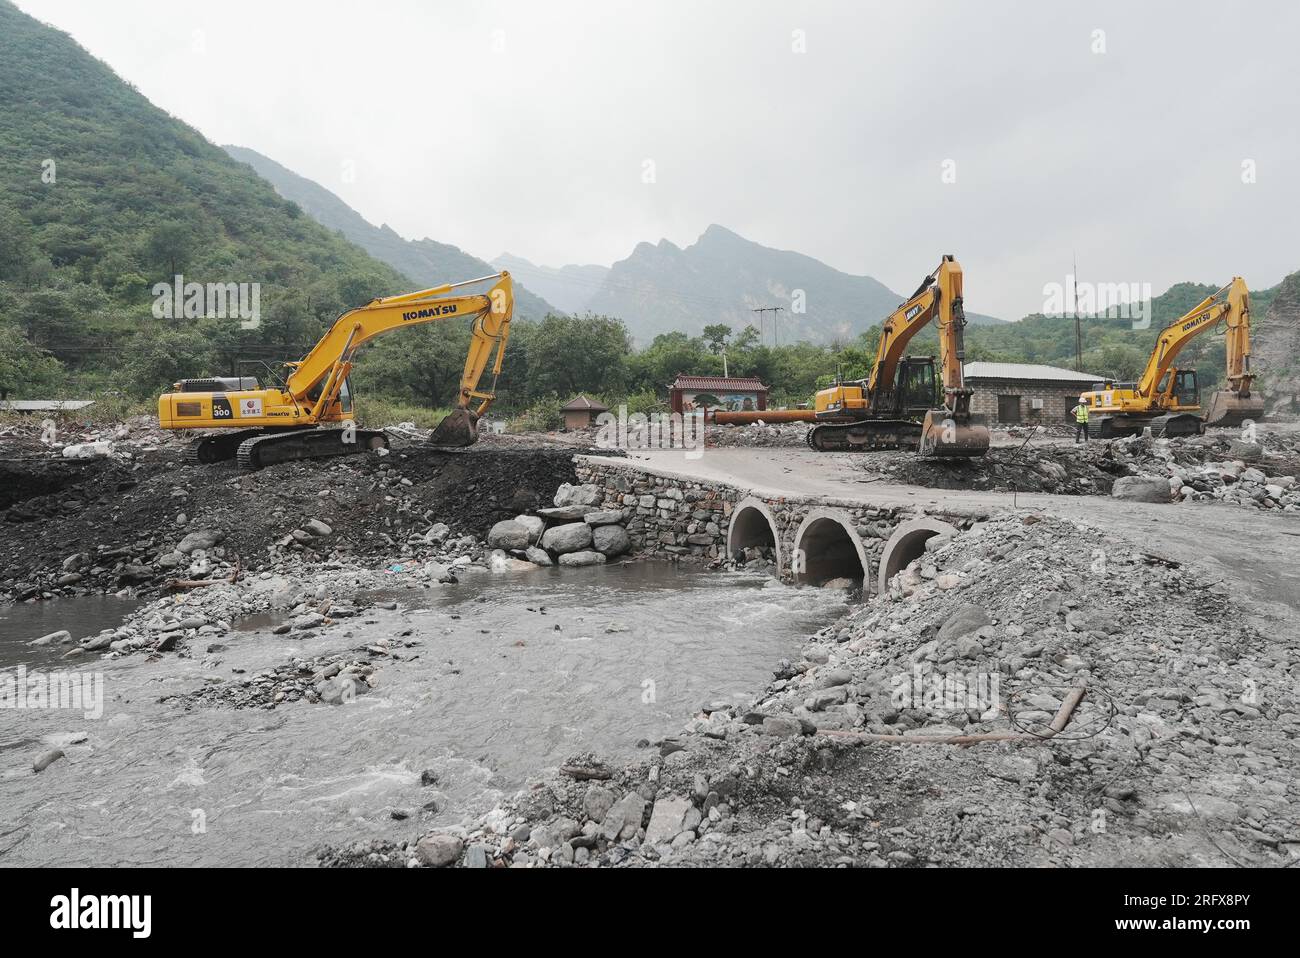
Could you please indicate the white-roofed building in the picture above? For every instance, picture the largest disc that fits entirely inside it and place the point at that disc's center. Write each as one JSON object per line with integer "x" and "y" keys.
{"x": 1025, "y": 392}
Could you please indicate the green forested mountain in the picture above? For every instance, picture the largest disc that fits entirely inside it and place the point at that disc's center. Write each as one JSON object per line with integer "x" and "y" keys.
{"x": 425, "y": 262}
{"x": 102, "y": 195}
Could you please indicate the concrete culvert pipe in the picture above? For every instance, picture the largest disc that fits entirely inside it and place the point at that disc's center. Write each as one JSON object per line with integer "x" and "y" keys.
{"x": 908, "y": 543}
{"x": 828, "y": 548}
{"x": 753, "y": 528}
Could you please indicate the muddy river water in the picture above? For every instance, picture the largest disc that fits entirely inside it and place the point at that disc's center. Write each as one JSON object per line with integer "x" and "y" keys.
{"x": 491, "y": 693}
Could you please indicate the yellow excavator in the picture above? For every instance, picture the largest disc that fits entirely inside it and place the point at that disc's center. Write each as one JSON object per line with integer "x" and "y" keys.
{"x": 289, "y": 420}
{"x": 1167, "y": 399}
{"x": 894, "y": 407}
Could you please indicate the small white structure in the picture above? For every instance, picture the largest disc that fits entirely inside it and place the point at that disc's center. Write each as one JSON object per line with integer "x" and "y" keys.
{"x": 44, "y": 405}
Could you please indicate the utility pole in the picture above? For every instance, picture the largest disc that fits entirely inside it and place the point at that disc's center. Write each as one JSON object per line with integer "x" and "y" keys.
{"x": 1078, "y": 334}
{"x": 768, "y": 309}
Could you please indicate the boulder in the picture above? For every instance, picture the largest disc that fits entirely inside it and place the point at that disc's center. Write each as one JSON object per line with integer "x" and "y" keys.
{"x": 509, "y": 534}
{"x": 582, "y": 558}
{"x": 318, "y": 528}
{"x": 782, "y": 726}
{"x": 534, "y": 524}
{"x": 570, "y": 537}
{"x": 341, "y": 690}
{"x": 566, "y": 513}
{"x": 54, "y": 638}
{"x": 438, "y": 851}
{"x": 610, "y": 540}
{"x": 135, "y": 572}
{"x": 203, "y": 539}
{"x": 667, "y": 820}
{"x": 604, "y": 517}
{"x": 597, "y": 803}
{"x": 584, "y": 495}
{"x": 1245, "y": 451}
{"x": 46, "y": 759}
{"x": 965, "y": 620}
{"x": 538, "y": 556}
{"x": 1141, "y": 489}
{"x": 623, "y": 818}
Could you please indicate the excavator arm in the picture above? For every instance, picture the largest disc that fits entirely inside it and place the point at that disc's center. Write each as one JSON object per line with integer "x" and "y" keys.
{"x": 951, "y": 431}
{"x": 491, "y": 313}
{"x": 1174, "y": 337}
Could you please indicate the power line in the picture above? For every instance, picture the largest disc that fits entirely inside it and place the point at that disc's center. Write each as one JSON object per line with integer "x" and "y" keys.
{"x": 768, "y": 309}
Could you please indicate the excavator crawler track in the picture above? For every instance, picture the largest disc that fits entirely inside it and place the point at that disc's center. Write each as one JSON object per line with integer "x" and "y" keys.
{"x": 1171, "y": 424}
{"x": 269, "y": 450}
{"x": 868, "y": 435}
{"x": 219, "y": 448}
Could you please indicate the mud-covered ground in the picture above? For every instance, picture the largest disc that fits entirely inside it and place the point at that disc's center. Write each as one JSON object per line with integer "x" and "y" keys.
{"x": 103, "y": 524}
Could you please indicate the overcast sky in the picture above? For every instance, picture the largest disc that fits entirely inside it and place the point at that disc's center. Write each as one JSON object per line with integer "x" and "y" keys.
{"x": 526, "y": 126}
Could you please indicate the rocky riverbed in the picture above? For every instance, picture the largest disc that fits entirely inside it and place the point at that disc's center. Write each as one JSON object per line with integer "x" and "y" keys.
{"x": 1179, "y": 752}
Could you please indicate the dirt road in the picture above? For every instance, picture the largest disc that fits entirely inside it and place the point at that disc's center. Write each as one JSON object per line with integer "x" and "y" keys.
{"x": 1250, "y": 550}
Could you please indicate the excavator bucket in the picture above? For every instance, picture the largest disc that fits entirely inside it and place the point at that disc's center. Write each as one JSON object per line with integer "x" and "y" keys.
{"x": 460, "y": 428}
{"x": 1227, "y": 408}
{"x": 943, "y": 437}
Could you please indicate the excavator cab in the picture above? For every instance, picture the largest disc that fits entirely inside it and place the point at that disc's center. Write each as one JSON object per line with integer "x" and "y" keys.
{"x": 1186, "y": 392}
{"x": 915, "y": 388}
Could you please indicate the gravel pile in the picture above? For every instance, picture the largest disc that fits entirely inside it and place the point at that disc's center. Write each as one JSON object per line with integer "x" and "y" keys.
{"x": 787, "y": 434}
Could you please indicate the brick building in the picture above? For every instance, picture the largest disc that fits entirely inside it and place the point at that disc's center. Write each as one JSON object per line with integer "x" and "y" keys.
{"x": 1028, "y": 393}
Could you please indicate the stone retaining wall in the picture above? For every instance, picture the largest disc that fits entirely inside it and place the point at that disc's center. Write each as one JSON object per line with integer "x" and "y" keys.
{"x": 666, "y": 516}
{"x": 676, "y": 517}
